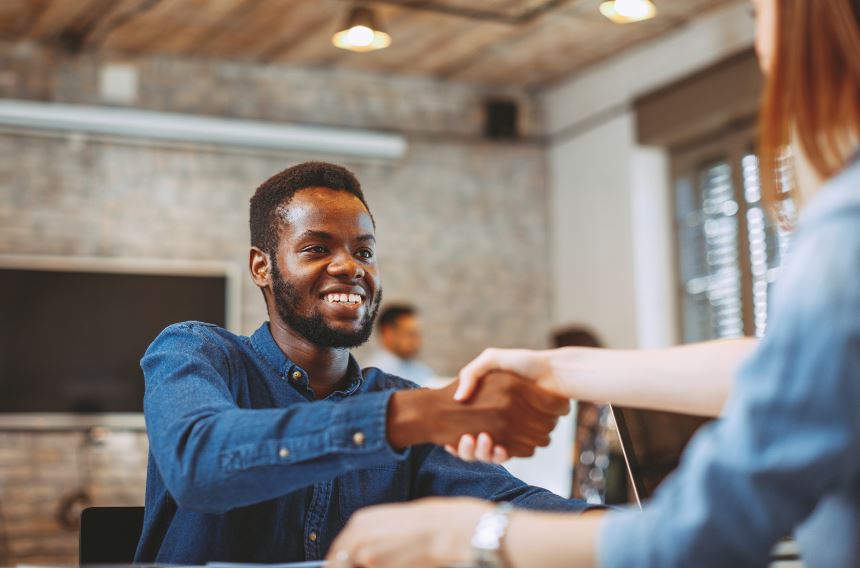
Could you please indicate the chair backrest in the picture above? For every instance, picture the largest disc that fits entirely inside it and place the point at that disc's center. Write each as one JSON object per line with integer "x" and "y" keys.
{"x": 109, "y": 535}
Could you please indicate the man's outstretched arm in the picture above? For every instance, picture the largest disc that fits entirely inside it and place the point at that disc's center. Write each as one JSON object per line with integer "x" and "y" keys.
{"x": 215, "y": 456}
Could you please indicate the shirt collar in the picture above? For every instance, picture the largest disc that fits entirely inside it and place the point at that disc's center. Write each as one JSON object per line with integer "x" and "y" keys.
{"x": 264, "y": 344}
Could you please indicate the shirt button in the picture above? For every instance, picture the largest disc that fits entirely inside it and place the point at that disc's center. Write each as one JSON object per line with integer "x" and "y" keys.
{"x": 297, "y": 375}
{"x": 358, "y": 438}
{"x": 284, "y": 452}
{"x": 312, "y": 537}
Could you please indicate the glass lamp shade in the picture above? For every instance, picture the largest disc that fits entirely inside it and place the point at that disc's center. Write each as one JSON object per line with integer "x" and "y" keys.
{"x": 361, "y": 32}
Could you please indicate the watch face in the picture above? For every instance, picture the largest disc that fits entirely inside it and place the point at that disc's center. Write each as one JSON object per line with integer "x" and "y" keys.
{"x": 488, "y": 537}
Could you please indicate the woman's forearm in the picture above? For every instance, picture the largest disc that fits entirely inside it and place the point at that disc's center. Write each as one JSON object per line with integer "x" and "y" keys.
{"x": 694, "y": 379}
{"x": 552, "y": 540}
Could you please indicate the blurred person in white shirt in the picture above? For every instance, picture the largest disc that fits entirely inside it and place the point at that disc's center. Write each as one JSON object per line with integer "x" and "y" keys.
{"x": 400, "y": 338}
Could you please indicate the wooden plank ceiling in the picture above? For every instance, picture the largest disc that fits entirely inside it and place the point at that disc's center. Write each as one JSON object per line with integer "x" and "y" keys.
{"x": 526, "y": 43}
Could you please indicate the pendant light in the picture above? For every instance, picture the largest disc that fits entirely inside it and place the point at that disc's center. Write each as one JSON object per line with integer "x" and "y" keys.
{"x": 627, "y": 11}
{"x": 362, "y": 32}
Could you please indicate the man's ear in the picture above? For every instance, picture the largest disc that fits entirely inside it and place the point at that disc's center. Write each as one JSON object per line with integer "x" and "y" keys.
{"x": 260, "y": 266}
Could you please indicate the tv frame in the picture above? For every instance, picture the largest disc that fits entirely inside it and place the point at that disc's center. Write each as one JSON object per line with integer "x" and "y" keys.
{"x": 120, "y": 265}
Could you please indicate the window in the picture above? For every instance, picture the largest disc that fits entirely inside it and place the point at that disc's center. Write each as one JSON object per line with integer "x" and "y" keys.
{"x": 728, "y": 246}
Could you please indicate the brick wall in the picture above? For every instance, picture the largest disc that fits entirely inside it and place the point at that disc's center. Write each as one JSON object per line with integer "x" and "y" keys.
{"x": 462, "y": 222}
{"x": 40, "y": 472}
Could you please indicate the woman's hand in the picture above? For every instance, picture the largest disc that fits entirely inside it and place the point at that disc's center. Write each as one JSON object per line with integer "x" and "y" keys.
{"x": 527, "y": 363}
{"x": 429, "y": 532}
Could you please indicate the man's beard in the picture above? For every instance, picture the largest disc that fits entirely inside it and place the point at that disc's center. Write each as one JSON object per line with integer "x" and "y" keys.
{"x": 314, "y": 328}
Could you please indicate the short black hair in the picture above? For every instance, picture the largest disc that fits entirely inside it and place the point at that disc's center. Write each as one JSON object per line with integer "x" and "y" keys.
{"x": 277, "y": 191}
{"x": 390, "y": 314}
{"x": 576, "y": 336}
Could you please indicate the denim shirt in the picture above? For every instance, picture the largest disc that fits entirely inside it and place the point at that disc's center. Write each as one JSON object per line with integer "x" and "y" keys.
{"x": 785, "y": 457}
{"x": 245, "y": 466}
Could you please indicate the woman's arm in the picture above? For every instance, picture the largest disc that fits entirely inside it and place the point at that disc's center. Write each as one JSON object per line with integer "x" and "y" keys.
{"x": 694, "y": 379}
{"x": 551, "y": 540}
{"x": 438, "y": 532}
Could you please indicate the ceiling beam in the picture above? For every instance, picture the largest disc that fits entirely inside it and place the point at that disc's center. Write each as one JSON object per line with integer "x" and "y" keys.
{"x": 117, "y": 19}
{"x": 520, "y": 18}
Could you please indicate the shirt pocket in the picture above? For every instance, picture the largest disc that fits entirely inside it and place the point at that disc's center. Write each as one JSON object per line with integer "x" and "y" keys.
{"x": 375, "y": 485}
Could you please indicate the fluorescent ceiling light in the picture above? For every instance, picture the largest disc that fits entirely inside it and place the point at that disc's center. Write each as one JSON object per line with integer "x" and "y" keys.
{"x": 188, "y": 128}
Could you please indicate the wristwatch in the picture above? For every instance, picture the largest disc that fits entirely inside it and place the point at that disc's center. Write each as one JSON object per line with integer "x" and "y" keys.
{"x": 488, "y": 536}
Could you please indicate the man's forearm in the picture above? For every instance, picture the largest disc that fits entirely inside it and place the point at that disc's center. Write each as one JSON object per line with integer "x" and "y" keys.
{"x": 409, "y": 421}
{"x": 238, "y": 457}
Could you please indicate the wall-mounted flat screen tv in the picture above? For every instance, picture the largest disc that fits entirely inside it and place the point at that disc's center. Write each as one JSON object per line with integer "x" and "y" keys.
{"x": 71, "y": 340}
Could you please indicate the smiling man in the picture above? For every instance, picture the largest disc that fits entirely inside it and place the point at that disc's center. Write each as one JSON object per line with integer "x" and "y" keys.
{"x": 262, "y": 447}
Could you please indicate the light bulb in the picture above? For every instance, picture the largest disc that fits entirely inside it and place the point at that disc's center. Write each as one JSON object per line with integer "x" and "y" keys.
{"x": 633, "y": 9}
{"x": 360, "y": 36}
{"x": 625, "y": 11}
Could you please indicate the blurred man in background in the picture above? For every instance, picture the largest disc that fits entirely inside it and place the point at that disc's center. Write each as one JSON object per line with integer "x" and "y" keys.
{"x": 400, "y": 336}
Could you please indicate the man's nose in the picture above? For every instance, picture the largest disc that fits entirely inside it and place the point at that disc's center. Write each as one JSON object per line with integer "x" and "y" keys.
{"x": 345, "y": 266}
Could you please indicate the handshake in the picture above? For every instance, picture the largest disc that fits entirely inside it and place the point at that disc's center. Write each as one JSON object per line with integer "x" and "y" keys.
{"x": 513, "y": 413}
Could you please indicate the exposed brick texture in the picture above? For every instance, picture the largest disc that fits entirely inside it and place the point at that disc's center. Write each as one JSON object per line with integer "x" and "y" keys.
{"x": 39, "y": 470}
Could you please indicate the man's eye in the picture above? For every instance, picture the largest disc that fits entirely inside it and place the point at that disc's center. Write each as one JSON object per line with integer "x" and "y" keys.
{"x": 316, "y": 249}
{"x": 366, "y": 254}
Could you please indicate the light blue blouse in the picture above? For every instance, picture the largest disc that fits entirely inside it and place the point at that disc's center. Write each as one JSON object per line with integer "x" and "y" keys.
{"x": 785, "y": 457}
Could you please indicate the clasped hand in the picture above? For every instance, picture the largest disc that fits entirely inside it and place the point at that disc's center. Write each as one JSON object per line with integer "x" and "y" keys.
{"x": 495, "y": 403}
{"x": 515, "y": 413}
{"x": 528, "y": 365}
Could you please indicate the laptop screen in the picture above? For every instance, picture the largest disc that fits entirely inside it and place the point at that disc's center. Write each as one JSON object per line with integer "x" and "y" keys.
{"x": 653, "y": 443}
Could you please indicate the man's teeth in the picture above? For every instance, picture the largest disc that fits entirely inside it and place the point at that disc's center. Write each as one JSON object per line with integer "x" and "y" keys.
{"x": 343, "y": 298}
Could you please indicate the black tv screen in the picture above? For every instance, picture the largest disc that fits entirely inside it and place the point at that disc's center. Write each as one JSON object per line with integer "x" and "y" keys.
{"x": 72, "y": 341}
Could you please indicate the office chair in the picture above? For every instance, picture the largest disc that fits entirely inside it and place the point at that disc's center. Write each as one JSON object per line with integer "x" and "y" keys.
{"x": 109, "y": 535}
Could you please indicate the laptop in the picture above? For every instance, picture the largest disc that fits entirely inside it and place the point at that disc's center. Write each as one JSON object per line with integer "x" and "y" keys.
{"x": 652, "y": 443}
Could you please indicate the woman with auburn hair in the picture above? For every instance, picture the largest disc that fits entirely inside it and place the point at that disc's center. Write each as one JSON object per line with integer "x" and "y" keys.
{"x": 785, "y": 457}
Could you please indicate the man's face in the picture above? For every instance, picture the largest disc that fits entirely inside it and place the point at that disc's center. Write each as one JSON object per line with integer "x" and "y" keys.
{"x": 403, "y": 338}
{"x": 324, "y": 277}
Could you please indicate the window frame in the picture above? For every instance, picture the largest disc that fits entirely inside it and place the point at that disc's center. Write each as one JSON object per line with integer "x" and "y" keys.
{"x": 729, "y": 144}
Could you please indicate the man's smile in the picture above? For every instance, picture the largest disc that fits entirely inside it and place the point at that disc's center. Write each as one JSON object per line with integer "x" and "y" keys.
{"x": 344, "y": 299}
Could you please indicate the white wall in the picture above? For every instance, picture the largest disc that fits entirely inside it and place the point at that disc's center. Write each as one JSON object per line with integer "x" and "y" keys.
{"x": 591, "y": 230}
{"x": 653, "y": 251}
